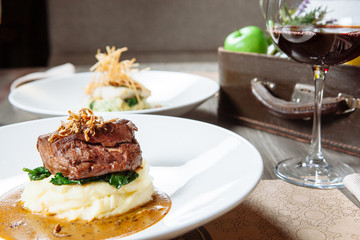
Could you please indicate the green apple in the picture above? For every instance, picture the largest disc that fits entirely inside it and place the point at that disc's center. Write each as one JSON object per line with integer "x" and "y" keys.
{"x": 247, "y": 39}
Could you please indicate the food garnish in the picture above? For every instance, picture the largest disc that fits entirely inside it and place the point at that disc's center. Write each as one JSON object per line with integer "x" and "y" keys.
{"x": 85, "y": 121}
{"x": 117, "y": 179}
{"x": 110, "y": 71}
{"x": 38, "y": 173}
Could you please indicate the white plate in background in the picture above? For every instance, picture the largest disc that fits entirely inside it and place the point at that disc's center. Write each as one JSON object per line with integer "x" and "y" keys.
{"x": 205, "y": 169}
{"x": 176, "y": 92}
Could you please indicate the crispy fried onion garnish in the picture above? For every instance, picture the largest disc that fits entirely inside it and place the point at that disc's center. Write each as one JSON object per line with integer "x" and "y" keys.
{"x": 83, "y": 122}
{"x": 110, "y": 71}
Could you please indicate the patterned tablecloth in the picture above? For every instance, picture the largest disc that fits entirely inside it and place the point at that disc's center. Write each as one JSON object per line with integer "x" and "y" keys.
{"x": 279, "y": 210}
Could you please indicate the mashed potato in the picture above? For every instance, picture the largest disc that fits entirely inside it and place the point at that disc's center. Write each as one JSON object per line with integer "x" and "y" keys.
{"x": 89, "y": 201}
{"x": 115, "y": 105}
{"x": 110, "y": 99}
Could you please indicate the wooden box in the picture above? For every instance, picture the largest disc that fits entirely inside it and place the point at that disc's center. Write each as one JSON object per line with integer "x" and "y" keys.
{"x": 340, "y": 131}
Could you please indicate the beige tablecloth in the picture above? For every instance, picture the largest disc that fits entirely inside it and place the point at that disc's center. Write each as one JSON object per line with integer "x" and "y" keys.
{"x": 279, "y": 210}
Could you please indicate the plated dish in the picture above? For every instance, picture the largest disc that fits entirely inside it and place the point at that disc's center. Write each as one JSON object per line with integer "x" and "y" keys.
{"x": 206, "y": 170}
{"x": 176, "y": 93}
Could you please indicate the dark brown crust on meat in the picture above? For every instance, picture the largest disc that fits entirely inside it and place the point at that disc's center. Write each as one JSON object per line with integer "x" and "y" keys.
{"x": 113, "y": 148}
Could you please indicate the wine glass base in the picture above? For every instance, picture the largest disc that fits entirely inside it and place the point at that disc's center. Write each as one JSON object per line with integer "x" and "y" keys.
{"x": 298, "y": 171}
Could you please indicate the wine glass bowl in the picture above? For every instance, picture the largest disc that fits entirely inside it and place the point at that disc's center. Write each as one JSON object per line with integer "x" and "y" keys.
{"x": 321, "y": 46}
{"x": 321, "y": 33}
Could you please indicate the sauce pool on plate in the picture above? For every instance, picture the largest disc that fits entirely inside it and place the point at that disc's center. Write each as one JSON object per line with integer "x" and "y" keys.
{"x": 19, "y": 223}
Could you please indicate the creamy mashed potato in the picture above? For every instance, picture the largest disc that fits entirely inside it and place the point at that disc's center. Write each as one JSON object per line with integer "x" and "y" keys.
{"x": 110, "y": 98}
{"x": 115, "y": 104}
{"x": 110, "y": 92}
{"x": 89, "y": 201}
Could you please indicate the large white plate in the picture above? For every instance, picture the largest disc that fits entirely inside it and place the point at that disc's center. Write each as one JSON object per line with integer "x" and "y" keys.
{"x": 205, "y": 169}
{"x": 176, "y": 92}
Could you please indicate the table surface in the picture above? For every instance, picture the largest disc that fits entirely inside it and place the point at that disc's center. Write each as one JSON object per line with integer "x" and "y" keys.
{"x": 272, "y": 147}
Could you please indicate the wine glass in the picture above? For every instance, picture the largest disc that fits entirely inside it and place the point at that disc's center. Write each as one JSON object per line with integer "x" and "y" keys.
{"x": 321, "y": 33}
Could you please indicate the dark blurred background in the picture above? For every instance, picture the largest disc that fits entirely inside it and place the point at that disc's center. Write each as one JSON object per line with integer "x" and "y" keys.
{"x": 52, "y": 32}
{"x": 23, "y": 33}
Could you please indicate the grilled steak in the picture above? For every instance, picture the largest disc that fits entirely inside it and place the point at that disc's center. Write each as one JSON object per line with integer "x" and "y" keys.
{"x": 113, "y": 148}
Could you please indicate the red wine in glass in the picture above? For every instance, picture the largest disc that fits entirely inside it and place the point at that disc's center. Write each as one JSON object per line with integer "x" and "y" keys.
{"x": 322, "y": 46}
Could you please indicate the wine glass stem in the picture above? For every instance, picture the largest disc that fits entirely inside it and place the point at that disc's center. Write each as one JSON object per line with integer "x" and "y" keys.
{"x": 315, "y": 155}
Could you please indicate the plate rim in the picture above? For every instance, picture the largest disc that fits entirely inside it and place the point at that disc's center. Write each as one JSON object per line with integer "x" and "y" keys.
{"x": 211, "y": 83}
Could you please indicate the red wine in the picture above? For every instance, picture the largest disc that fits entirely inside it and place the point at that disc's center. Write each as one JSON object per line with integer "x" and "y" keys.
{"x": 324, "y": 46}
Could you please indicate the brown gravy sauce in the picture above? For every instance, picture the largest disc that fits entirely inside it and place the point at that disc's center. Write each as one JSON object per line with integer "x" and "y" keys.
{"x": 18, "y": 223}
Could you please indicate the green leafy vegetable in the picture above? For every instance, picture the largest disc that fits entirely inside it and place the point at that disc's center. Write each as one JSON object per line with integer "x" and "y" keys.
{"x": 117, "y": 179}
{"x": 131, "y": 101}
{"x": 60, "y": 179}
{"x": 38, "y": 173}
{"x": 122, "y": 178}
{"x": 91, "y": 105}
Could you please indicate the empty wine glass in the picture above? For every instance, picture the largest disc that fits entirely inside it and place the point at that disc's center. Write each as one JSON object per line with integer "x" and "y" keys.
{"x": 321, "y": 33}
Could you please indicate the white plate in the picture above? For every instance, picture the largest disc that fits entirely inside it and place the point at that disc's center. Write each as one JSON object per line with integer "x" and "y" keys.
{"x": 176, "y": 92}
{"x": 205, "y": 169}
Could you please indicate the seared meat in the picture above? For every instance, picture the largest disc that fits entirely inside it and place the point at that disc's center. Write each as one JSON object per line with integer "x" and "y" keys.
{"x": 113, "y": 148}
